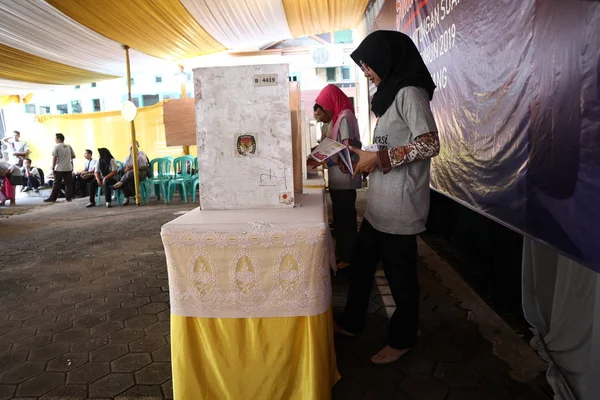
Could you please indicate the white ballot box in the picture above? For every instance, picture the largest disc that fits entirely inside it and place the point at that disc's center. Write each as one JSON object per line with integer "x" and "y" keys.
{"x": 244, "y": 139}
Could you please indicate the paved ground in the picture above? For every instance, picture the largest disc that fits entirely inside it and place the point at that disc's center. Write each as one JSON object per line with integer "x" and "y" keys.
{"x": 84, "y": 313}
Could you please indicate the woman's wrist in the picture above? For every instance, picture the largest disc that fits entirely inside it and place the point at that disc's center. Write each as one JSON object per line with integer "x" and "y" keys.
{"x": 383, "y": 161}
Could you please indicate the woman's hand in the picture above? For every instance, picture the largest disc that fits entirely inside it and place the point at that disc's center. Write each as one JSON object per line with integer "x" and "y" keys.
{"x": 367, "y": 162}
{"x": 344, "y": 169}
{"x": 99, "y": 181}
{"x": 312, "y": 163}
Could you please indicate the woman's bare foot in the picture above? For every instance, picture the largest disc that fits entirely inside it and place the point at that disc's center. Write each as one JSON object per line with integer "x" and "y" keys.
{"x": 338, "y": 330}
{"x": 388, "y": 355}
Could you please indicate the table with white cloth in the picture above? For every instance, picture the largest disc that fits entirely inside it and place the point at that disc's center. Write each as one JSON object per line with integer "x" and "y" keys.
{"x": 250, "y": 299}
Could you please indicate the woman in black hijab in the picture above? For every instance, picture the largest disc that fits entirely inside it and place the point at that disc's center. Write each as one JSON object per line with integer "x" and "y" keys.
{"x": 105, "y": 174}
{"x": 398, "y": 197}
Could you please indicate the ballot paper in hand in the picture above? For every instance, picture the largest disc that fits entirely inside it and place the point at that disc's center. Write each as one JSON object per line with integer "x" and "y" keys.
{"x": 328, "y": 148}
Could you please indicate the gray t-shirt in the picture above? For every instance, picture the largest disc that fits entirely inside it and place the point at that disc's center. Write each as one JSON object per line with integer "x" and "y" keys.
{"x": 64, "y": 155}
{"x": 398, "y": 202}
{"x": 337, "y": 179}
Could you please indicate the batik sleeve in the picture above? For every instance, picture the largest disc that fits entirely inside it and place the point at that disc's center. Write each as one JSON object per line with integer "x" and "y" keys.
{"x": 422, "y": 148}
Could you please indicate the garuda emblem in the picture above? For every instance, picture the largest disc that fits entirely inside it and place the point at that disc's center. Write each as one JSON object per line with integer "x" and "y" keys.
{"x": 246, "y": 145}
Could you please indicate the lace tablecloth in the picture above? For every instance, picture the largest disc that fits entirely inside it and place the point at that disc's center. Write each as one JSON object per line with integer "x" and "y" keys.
{"x": 250, "y": 263}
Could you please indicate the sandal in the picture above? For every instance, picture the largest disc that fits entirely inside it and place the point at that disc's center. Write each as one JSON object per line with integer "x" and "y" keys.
{"x": 389, "y": 355}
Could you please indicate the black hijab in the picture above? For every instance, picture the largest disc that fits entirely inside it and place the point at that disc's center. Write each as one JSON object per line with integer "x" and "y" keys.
{"x": 104, "y": 160}
{"x": 396, "y": 59}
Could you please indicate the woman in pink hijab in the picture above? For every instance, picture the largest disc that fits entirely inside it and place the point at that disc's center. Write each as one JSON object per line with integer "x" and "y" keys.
{"x": 334, "y": 107}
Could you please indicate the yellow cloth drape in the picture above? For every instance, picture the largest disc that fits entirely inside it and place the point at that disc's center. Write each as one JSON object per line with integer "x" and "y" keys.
{"x": 162, "y": 28}
{"x": 289, "y": 358}
{"x": 311, "y": 17}
{"x": 18, "y": 65}
{"x": 101, "y": 129}
{"x": 6, "y": 100}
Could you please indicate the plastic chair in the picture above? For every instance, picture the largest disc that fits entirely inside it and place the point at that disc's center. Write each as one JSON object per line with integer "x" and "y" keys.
{"x": 161, "y": 168}
{"x": 182, "y": 178}
{"x": 119, "y": 196}
{"x": 169, "y": 172}
{"x": 195, "y": 180}
{"x": 145, "y": 191}
{"x": 195, "y": 188}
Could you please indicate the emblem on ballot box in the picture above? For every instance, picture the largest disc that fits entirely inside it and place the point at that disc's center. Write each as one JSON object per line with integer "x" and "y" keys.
{"x": 246, "y": 145}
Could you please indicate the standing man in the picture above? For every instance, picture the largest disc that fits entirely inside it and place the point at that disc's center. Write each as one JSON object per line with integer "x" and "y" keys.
{"x": 62, "y": 165}
{"x": 17, "y": 149}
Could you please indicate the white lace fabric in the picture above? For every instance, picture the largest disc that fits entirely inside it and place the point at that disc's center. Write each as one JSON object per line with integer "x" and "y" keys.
{"x": 254, "y": 271}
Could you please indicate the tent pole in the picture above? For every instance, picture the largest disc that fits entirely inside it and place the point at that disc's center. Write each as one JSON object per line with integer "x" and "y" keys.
{"x": 186, "y": 149}
{"x": 134, "y": 150}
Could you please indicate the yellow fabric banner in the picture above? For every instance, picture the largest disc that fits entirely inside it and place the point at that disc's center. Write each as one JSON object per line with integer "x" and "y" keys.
{"x": 17, "y": 65}
{"x": 102, "y": 129}
{"x": 311, "y": 17}
{"x": 162, "y": 28}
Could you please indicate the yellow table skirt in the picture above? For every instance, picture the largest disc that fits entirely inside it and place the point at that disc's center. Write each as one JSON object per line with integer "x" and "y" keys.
{"x": 287, "y": 358}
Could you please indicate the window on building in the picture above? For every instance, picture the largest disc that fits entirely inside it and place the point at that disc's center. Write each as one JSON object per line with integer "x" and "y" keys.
{"x": 93, "y": 84}
{"x": 295, "y": 76}
{"x": 44, "y": 109}
{"x": 77, "y": 86}
{"x": 132, "y": 81}
{"x": 97, "y": 106}
{"x": 30, "y": 108}
{"x": 346, "y": 85}
{"x": 135, "y": 101}
{"x": 342, "y": 37}
{"x": 150, "y": 99}
{"x": 345, "y": 73}
{"x": 76, "y": 106}
{"x": 62, "y": 108}
{"x": 331, "y": 74}
{"x": 158, "y": 79}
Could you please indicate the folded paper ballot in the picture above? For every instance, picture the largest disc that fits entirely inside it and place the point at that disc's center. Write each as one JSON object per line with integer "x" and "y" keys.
{"x": 328, "y": 148}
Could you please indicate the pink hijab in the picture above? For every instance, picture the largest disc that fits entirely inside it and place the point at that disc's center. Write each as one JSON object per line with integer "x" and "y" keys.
{"x": 339, "y": 105}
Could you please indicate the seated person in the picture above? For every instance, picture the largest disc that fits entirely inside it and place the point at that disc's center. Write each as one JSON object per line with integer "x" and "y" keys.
{"x": 127, "y": 183}
{"x": 31, "y": 176}
{"x": 11, "y": 174}
{"x": 105, "y": 173}
{"x": 85, "y": 176}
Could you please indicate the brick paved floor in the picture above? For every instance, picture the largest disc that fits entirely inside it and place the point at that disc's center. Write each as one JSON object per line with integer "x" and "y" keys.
{"x": 84, "y": 313}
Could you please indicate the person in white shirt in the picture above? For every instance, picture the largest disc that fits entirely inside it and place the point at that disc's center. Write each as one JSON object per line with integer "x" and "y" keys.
{"x": 86, "y": 175}
{"x": 62, "y": 165}
{"x": 16, "y": 148}
{"x": 127, "y": 183}
{"x": 31, "y": 175}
